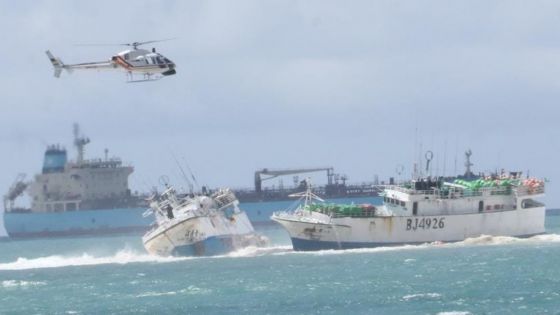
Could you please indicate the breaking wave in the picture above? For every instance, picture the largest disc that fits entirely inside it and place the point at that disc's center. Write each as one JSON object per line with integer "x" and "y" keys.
{"x": 122, "y": 257}
{"x": 474, "y": 241}
{"x": 503, "y": 240}
{"x": 421, "y": 296}
{"x": 253, "y": 251}
{"x": 21, "y": 283}
{"x": 129, "y": 256}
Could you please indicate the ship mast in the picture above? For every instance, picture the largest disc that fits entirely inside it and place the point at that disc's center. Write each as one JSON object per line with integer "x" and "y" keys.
{"x": 80, "y": 143}
{"x": 468, "y": 164}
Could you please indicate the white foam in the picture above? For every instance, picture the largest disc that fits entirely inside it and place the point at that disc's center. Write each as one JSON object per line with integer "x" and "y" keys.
{"x": 151, "y": 293}
{"x": 127, "y": 256}
{"x": 504, "y": 240}
{"x": 356, "y": 250}
{"x": 21, "y": 283}
{"x": 253, "y": 251}
{"x": 475, "y": 241}
{"x": 121, "y": 257}
{"x": 421, "y": 296}
{"x": 191, "y": 290}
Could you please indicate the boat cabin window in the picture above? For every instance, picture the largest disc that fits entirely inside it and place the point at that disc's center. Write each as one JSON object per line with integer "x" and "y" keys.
{"x": 415, "y": 208}
{"x": 480, "y": 206}
{"x": 126, "y": 56}
{"x": 402, "y": 203}
{"x": 159, "y": 61}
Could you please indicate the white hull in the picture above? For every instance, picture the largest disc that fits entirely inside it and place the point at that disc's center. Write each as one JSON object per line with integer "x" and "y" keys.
{"x": 202, "y": 235}
{"x": 350, "y": 232}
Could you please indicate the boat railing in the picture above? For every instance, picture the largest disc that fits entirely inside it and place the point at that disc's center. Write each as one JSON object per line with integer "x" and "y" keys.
{"x": 460, "y": 193}
{"x": 527, "y": 190}
{"x": 370, "y": 214}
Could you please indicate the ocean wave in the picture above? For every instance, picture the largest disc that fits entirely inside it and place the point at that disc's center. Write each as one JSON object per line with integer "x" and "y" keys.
{"x": 421, "y": 296}
{"x": 253, "y": 251}
{"x": 474, "y": 241}
{"x": 504, "y": 240}
{"x": 21, "y": 283}
{"x": 190, "y": 290}
{"x": 454, "y": 313}
{"x": 127, "y": 256}
{"x": 122, "y": 257}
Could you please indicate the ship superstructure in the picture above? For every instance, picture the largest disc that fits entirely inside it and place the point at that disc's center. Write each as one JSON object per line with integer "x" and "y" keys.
{"x": 74, "y": 197}
{"x": 82, "y": 184}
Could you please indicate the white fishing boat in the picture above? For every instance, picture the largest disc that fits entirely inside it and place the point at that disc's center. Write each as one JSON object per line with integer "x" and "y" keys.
{"x": 424, "y": 210}
{"x": 198, "y": 225}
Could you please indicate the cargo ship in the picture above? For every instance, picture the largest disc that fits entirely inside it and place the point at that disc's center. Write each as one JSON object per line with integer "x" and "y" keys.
{"x": 92, "y": 197}
{"x": 79, "y": 197}
{"x": 422, "y": 211}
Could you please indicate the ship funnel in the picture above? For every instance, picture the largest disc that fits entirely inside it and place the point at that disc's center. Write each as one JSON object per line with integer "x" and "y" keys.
{"x": 54, "y": 160}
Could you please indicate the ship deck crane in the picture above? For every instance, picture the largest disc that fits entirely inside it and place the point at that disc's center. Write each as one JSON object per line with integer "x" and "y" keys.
{"x": 16, "y": 189}
{"x": 281, "y": 172}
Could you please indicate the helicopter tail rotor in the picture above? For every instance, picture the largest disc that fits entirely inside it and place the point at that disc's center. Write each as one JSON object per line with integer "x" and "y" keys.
{"x": 57, "y": 64}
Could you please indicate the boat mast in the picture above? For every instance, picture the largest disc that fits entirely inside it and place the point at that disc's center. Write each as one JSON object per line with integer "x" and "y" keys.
{"x": 80, "y": 143}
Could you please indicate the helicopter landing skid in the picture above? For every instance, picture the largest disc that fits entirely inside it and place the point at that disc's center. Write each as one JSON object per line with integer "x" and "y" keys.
{"x": 147, "y": 77}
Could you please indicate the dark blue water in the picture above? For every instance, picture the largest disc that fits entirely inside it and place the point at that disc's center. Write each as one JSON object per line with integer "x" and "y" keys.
{"x": 113, "y": 275}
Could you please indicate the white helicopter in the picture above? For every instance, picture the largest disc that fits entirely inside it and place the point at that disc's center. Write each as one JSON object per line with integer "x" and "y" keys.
{"x": 151, "y": 65}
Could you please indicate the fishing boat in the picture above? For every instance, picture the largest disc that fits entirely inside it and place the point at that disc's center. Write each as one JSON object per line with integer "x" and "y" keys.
{"x": 421, "y": 211}
{"x": 198, "y": 225}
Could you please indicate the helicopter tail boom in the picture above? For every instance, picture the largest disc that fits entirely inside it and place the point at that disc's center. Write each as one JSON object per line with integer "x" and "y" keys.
{"x": 57, "y": 64}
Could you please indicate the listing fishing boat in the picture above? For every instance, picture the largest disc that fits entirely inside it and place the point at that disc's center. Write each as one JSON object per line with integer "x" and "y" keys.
{"x": 421, "y": 211}
{"x": 198, "y": 225}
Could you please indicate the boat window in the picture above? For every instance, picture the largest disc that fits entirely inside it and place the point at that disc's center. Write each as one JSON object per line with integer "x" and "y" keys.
{"x": 153, "y": 60}
{"x": 415, "y": 208}
{"x": 402, "y": 203}
{"x": 159, "y": 61}
{"x": 480, "y": 206}
{"x": 126, "y": 56}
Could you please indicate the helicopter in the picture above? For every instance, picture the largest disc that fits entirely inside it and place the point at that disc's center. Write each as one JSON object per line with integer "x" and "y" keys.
{"x": 150, "y": 65}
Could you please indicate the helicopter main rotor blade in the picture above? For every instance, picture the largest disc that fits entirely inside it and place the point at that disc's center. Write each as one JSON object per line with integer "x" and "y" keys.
{"x": 134, "y": 44}
{"x": 150, "y": 41}
{"x": 97, "y": 44}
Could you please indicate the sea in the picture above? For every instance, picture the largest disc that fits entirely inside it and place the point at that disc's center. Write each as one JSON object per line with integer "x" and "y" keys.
{"x": 114, "y": 275}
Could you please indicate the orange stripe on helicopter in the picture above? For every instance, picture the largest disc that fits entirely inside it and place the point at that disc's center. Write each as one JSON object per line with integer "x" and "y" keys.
{"x": 119, "y": 60}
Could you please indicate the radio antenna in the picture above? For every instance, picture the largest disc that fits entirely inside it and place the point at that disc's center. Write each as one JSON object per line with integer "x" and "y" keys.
{"x": 185, "y": 177}
{"x": 192, "y": 174}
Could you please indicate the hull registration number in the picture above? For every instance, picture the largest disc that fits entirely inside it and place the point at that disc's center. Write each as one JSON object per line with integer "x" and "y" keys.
{"x": 425, "y": 224}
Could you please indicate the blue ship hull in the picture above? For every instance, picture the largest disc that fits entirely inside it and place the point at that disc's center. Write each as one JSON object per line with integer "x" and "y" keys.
{"x": 122, "y": 221}
{"x": 209, "y": 247}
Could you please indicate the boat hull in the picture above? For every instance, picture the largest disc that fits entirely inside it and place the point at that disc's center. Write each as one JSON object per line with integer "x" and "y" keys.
{"x": 344, "y": 233}
{"x": 75, "y": 223}
{"x": 201, "y": 236}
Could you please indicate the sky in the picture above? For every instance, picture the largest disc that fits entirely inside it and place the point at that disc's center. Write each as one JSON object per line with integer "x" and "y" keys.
{"x": 362, "y": 86}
